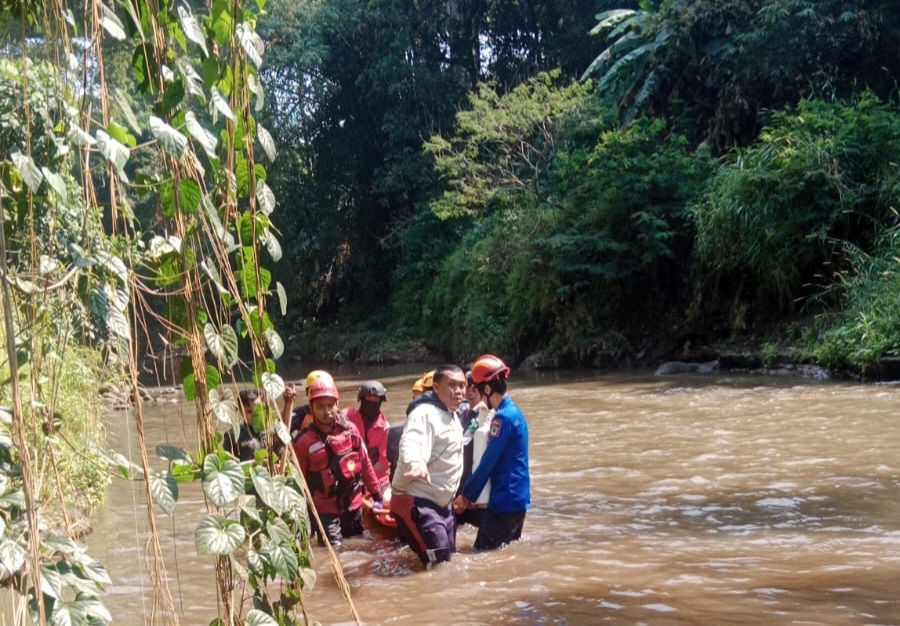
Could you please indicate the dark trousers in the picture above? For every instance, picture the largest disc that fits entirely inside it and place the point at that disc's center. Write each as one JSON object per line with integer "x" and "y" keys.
{"x": 337, "y": 527}
{"x": 429, "y": 529}
{"x": 498, "y": 528}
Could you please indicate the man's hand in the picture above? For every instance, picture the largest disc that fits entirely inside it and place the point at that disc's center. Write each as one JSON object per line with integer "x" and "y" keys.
{"x": 418, "y": 471}
{"x": 289, "y": 393}
{"x": 384, "y": 506}
{"x": 461, "y": 503}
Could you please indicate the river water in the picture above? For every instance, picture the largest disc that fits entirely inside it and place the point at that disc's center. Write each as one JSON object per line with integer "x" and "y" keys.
{"x": 683, "y": 500}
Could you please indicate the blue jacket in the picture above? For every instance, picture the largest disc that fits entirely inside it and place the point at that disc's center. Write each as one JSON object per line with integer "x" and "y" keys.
{"x": 505, "y": 462}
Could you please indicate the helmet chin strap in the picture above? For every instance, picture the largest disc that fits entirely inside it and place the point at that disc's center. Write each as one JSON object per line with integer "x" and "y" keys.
{"x": 485, "y": 396}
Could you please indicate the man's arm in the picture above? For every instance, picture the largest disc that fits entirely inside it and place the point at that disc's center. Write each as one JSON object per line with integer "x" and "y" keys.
{"x": 415, "y": 447}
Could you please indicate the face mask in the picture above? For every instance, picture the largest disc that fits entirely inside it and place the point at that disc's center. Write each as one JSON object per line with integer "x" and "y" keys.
{"x": 369, "y": 409}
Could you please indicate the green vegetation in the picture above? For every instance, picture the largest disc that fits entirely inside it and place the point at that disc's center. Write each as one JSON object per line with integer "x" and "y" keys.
{"x": 723, "y": 167}
{"x": 84, "y": 273}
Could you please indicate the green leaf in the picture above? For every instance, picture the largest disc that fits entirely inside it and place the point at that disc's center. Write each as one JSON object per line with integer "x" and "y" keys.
{"x": 284, "y": 435}
{"x": 117, "y": 323}
{"x": 256, "y": 88}
{"x": 56, "y": 183}
{"x": 257, "y": 618}
{"x": 223, "y": 481}
{"x": 220, "y": 21}
{"x": 172, "y": 453}
{"x": 193, "y": 84}
{"x": 121, "y": 134}
{"x": 79, "y": 137}
{"x": 270, "y": 241}
{"x": 251, "y": 42}
{"x": 268, "y": 144}
{"x": 125, "y": 467}
{"x": 185, "y": 472}
{"x": 277, "y": 495}
{"x": 92, "y": 568}
{"x": 273, "y": 384}
{"x": 124, "y": 106}
{"x": 276, "y": 345}
{"x": 226, "y": 237}
{"x": 267, "y": 489}
{"x": 218, "y": 535}
{"x": 257, "y": 563}
{"x": 164, "y": 490}
{"x": 224, "y": 406}
{"x": 12, "y": 558}
{"x": 220, "y": 104}
{"x": 282, "y": 558}
{"x": 51, "y": 581}
{"x": 60, "y": 543}
{"x": 113, "y": 151}
{"x": 28, "y": 170}
{"x": 224, "y": 345}
{"x": 190, "y": 195}
{"x": 172, "y": 96}
{"x": 111, "y": 23}
{"x": 172, "y": 140}
{"x": 192, "y": 28}
{"x": 282, "y": 298}
{"x": 265, "y": 197}
{"x": 189, "y": 382}
{"x": 206, "y": 139}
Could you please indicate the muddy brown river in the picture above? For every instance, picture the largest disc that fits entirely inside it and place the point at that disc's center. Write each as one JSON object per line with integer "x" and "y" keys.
{"x": 684, "y": 500}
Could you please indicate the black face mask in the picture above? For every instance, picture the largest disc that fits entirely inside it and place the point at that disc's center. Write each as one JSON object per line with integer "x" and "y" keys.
{"x": 369, "y": 409}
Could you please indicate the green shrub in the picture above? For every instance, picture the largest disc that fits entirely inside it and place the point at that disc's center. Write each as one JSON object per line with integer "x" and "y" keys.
{"x": 868, "y": 327}
{"x": 580, "y": 234}
{"x": 778, "y": 210}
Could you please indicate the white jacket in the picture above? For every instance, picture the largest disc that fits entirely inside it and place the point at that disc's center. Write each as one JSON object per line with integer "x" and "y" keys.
{"x": 432, "y": 438}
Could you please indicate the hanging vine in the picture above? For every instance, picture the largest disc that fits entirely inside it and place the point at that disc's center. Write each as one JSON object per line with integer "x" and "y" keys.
{"x": 201, "y": 277}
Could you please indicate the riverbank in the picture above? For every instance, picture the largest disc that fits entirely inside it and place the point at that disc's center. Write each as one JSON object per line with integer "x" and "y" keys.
{"x": 65, "y": 433}
{"x": 790, "y": 348}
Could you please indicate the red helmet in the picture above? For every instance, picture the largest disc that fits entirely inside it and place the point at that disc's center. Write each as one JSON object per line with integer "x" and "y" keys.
{"x": 487, "y": 367}
{"x": 323, "y": 388}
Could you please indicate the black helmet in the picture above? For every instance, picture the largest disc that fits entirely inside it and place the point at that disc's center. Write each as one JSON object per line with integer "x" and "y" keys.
{"x": 372, "y": 388}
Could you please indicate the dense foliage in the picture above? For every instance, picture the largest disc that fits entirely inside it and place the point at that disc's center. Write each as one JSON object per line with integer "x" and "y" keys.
{"x": 712, "y": 172}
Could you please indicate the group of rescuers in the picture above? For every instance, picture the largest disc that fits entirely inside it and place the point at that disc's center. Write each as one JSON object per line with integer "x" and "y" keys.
{"x": 422, "y": 472}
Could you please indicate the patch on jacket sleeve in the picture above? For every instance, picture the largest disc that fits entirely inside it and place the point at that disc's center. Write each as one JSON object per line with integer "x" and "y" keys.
{"x": 496, "y": 423}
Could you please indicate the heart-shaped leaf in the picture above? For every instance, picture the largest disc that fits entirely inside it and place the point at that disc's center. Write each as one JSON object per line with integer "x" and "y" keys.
{"x": 164, "y": 490}
{"x": 273, "y": 384}
{"x": 218, "y": 535}
{"x": 223, "y": 345}
{"x": 251, "y": 42}
{"x": 223, "y": 480}
{"x": 217, "y": 102}
{"x": 114, "y": 152}
{"x": 172, "y": 140}
{"x": 265, "y": 197}
{"x": 258, "y": 618}
{"x": 29, "y": 171}
{"x": 266, "y": 141}
{"x": 206, "y": 139}
{"x": 276, "y": 345}
{"x": 172, "y": 453}
{"x": 191, "y": 28}
{"x": 224, "y": 406}
{"x": 282, "y": 558}
{"x": 282, "y": 297}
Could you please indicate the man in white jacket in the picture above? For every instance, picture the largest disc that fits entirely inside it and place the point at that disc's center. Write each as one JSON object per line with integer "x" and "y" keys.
{"x": 429, "y": 468}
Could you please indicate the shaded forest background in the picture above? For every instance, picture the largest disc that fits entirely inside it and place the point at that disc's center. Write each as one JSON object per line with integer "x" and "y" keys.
{"x": 446, "y": 177}
{"x": 586, "y": 182}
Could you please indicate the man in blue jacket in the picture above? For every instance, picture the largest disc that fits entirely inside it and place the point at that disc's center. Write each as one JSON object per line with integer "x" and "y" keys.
{"x": 505, "y": 461}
